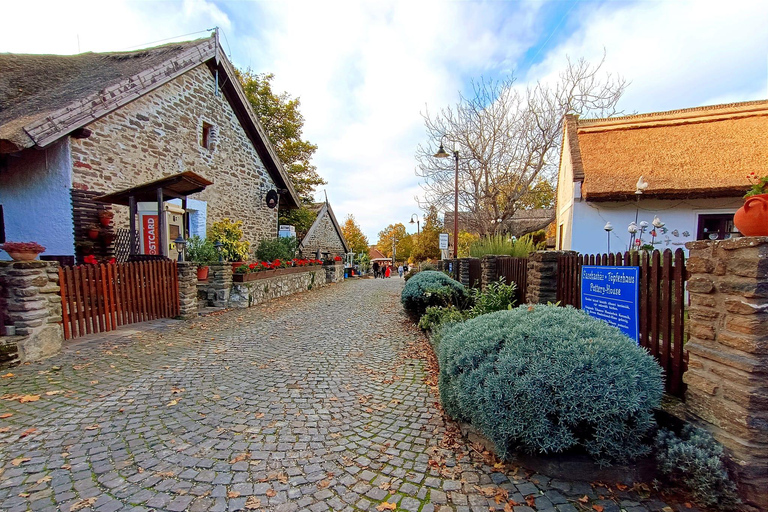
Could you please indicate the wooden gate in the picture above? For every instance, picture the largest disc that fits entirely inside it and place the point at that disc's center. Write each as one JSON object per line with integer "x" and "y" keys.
{"x": 100, "y": 298}
{"x": 514, "y": 270}
{"x": 662, "y": 302}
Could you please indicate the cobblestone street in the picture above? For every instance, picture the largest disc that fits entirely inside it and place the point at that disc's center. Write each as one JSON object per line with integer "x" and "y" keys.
{"x": 314, "y": 401}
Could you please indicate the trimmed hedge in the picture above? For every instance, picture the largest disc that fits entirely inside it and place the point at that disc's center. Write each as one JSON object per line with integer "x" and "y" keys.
{"x": 548, "y": 379}
{"x": 431, "y": 288}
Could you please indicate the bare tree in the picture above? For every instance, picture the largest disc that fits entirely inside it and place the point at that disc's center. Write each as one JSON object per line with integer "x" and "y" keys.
{"x": 508, "y": 139}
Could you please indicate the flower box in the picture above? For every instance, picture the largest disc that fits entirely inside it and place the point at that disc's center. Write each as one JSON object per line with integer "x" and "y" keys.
{"x": 266, "y": 274}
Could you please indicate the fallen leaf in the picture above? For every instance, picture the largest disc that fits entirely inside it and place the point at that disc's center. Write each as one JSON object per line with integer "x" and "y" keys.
{"x": 600, "y": 508}
{"x": 82, "y": 504}
{"x": 54, "y": 392}
{"x": 7, "y": 375}
{"x": 27, "y": 432}
{"x": 323, "y": 484}
{"x": 24, "y": 495}
{"x": 385, "y": 485}
{"x": 584, "y": 499}
{"x": 488, "y": 492}
{"x": 233, "y": 494}
{"x": 29, "y": 398}
{"x": 664, "y": 509}
{"x": 66, "y": 466}
{"x": 252, "y": 503}
{"x": 5, "y": 415}
{"x": 5, "y": 429}
{"x": 92, "y": 427}
{"x": 94, "y": 382}
{"x": 172, "y": 402}
{"x": 621, "y": 487}
{"x": 19, "y": 460}
{"x": 175, "y": 391}
{"x": 239, "y": 458}
{"x": 271, "y": 493}
{"x": 687, "y": 505}
{"x": 531, "y": 501}
{"x": 386, "y": 506}
{"x": 283, "y": 478}
{"x": 259, "y": 415}
{"x": 44, "y": 479}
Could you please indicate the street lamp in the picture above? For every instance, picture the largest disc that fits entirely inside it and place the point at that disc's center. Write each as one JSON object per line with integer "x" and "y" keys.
{"x": 180, "y": 244}
{"x": 441, "y": 153}
{"x": 418, "y": 231}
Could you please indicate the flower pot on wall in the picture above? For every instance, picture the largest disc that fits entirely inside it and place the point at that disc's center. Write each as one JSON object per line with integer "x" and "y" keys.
{"x": 752, "y": 218}
{"x": 22, "y": 255}
{"x": 202, "y": 273}
{"x": 93, "y": 233}
{"x": 105, "y": 221}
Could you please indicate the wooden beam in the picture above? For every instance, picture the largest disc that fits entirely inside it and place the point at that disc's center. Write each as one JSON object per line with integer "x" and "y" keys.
{"x": 163, "y": 238}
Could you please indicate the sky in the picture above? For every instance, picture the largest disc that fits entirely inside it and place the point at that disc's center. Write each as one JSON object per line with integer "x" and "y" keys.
{"x": 366, "y": 71}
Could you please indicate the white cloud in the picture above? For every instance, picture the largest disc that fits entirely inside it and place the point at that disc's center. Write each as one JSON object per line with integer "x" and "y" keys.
{"x": 365, "y": 70}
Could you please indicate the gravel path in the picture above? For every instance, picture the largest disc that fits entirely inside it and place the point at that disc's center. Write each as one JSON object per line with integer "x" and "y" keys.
{"x": 316, "y": 402}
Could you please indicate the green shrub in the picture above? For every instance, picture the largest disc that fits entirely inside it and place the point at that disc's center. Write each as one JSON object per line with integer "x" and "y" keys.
{"x": 503, "y": 245}
{"x": 436, "y": 316}
{"x": 283, "y": 248}
{"x": 415, "y": 270}
{"x": 230, "y": 235}
{"x": 497, "y": 296}
{"x": 548, "y": 379}
{"x": 201, "y": 251}
{"x": 695, "y": 460}
{"x": 432, "y": 288}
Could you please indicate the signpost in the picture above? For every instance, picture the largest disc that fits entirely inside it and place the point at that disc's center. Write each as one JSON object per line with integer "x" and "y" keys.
{"x": 443, "y": 240}
{"x": 611, "y": 294}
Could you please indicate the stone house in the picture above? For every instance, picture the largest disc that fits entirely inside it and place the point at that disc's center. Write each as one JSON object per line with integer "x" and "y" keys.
{"x": 694, "y": 165}
{"x": 324, "y": 236}
{"x": 80, "y": 126}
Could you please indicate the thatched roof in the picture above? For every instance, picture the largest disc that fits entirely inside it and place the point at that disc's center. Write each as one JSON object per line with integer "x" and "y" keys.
{"x": 697, "y": 152}
{"x": 521, "y": 222}
{"x": 46, "y": 97}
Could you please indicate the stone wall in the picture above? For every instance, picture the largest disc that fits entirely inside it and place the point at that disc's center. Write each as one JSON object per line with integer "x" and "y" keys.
{"x": 244, "y": 295}
{"x": 334, "y": 273}
{"x": 215, "y": 292}
{"x": 323, "y": 237}
{"x": 160, "y": 134}
{"x": 187, "y": 290}
{"x": 488, "y": 271}
{"x": 727, "y": 373}
{"x": 30, "y": 301}
{"x": 542, "y": 277}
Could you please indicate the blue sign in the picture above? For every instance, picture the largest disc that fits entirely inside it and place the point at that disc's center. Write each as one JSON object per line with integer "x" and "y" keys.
{"x": 611, "y": 294}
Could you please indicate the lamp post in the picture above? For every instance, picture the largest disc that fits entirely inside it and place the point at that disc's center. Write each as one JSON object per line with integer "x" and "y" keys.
{"x": 418, "y": 231}
{"x": 608, "y": 228}
{"x": 180, "y": 244}
{"x": 441, "y": 153}
{"x": 218, "y": 246}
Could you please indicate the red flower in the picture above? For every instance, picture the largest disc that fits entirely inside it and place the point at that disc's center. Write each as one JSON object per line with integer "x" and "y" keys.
{"x": 91, "y": 260}
{"x": 112, "y": 261}
{"x": 337, "y": 258}
{"x": 253, "y": 266}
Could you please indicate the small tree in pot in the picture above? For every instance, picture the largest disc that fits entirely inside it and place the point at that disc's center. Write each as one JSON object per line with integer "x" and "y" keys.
{"x": 202, "y": 252}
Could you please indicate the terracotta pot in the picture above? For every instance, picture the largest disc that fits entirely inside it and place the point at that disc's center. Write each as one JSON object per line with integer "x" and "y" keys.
{"x": 202, "y": 273}
{"x": 752, "y": 218}
{"x": 23, "y": 255}
{"x": 93, "y": 234}
{"x": 105, "y": 221}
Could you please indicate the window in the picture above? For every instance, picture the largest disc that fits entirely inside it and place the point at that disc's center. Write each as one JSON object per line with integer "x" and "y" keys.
{"x": 207, "y": 137}
{"x": 715, "y": 226}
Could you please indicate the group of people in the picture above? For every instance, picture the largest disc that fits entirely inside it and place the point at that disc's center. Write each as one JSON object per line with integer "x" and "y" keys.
{"x": 384, "y": 270}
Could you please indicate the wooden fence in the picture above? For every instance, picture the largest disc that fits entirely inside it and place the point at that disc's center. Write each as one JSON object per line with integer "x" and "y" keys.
{"x": 662, "y": 302}
{"x": 475, "y": 273}
{"x": 100, "y": 298}
{"x": 514, "y": 270}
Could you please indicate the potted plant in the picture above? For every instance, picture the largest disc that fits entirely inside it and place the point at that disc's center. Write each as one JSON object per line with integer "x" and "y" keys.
{"x": 105, "y": 217}
{"x": 23, "y": 251}
{"x": 93, "y": 231}
{"x": 229, "y": 234}
{"x": 202, "y": 252}
{"x": 752, "y": 218}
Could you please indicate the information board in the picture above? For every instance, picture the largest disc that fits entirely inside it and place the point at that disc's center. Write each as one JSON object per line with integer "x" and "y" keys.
{"x": 443, "y": 240}
{"x": 611, "y": 294}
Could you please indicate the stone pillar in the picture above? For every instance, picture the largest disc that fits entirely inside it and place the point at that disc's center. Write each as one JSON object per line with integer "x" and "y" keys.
{"x": 220, "y": 284}
{"x": 542, "y": 277}
{"x": 187, "y": 290}
{"x": 488, "y": 271}
{"x": 727, "y": 374}
{"x": 30, "y": 301}
{"x": 464, "y": 271}
{"x": 334, "y": 273}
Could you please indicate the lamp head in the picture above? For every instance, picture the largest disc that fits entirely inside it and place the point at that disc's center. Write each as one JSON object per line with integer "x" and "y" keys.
{"x": 441, "y": 153}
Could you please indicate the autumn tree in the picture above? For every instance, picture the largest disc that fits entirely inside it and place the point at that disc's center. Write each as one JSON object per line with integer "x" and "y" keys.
{"x": 427, "y": 245}
{"x": 465, "y": 240}
{"x": 403, "y": 242}
{"x": 280, "y": 116}
{"x": 358, "y": 242}
{"x": 508, "y": 141}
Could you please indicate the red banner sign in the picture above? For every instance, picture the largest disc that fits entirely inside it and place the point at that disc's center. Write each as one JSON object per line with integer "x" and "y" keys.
{"x": 151, "y": 235}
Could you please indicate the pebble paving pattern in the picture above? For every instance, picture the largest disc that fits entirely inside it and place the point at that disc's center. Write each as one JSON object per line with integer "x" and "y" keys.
{"x": 311, "y": 402}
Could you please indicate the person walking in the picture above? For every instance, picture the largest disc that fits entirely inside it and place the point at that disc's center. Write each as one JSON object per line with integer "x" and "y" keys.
{"x": 375, "y": 269}
{"x": 386, "y": 273}
{"x": 400, "y": 271}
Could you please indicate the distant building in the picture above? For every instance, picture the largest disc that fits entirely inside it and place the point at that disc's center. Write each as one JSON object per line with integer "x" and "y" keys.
{"x": 324, "y": 236}
{"x": 695, "y": 163}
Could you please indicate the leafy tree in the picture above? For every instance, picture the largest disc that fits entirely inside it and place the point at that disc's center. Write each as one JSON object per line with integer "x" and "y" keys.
{"x": 465, "y": 241}
{"x": 280, "y": 116}
{"x": 396, "y": 231}
{"x": 428, "y": 243}
{"x": 358, "y": 242}
{"x": 508, "y": 140}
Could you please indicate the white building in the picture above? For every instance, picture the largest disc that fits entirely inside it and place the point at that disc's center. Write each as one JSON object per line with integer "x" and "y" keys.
{"x": 695, "y": 162}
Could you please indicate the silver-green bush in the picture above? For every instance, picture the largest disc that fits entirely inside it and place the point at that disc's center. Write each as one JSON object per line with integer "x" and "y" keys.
{"x": 695, "y": 460}
{"x": 548, "y": 379}
{"x": 431, "y": 288}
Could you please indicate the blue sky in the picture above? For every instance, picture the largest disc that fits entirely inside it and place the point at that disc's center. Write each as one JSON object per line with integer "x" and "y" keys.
{"x": 366, "y": 70}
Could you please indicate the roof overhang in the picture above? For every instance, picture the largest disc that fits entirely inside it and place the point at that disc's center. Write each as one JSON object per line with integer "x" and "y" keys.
{"x": 177, "y": 186}
{"x": 704, "y": 193}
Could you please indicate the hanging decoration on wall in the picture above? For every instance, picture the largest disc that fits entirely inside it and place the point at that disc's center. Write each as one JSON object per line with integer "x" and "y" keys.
{"x": 272, "y": 198}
